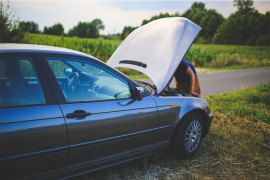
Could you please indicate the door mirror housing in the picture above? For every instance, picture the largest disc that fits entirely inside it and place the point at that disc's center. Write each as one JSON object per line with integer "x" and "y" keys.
{"x": 139, "y": 93}
{"x": 68, "y": 71}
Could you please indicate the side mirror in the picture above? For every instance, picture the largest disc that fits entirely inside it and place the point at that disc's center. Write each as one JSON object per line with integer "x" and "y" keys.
{"x": 68, "y": 71}
{"x": 139, "y": 93}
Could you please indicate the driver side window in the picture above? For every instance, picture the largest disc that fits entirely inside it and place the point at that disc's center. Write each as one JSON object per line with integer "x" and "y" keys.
{"x": 86, "y": 81}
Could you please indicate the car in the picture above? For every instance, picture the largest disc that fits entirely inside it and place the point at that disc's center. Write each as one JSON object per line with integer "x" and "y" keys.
{"x": 65, "y": 113}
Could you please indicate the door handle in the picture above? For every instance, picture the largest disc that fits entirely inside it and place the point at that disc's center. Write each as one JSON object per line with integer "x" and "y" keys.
{"x": 78, "y": 113}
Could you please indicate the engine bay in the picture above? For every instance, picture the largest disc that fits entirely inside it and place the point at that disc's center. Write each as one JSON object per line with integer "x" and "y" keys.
{"x": 168, "y": 91}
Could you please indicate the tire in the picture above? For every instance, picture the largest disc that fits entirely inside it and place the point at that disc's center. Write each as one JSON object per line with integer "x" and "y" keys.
{"x": 185, "y": 143}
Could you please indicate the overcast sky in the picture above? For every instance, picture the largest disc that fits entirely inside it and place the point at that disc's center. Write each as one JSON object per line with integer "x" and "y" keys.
{"x": 114, "y": 14}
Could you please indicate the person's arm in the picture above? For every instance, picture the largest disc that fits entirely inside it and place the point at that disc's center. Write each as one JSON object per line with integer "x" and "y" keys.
{"x": 191, "y": 75}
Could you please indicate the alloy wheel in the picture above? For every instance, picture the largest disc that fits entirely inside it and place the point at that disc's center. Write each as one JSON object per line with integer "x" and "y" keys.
{"x": 193, "y": 136}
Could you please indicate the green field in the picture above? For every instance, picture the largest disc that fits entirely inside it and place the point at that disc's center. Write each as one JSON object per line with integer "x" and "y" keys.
{"x": 201, "y": 55}
{"x": 100, "y": 48}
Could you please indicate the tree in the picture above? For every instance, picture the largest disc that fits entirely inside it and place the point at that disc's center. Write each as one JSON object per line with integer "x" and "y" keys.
{"x": 262, "y": 29}
{"x": 56, "y": 29}
{"x": 200, "y": 6}
{"x": 161, "y": 15}
{"x": 228, "y": 33}
{"x": 253, "y": 25}
{"x": 209, "y": 20}
{"x": 9, "y": 30}
{"x": 127, "y": 30}
{"x": 210, "y": 23}
{"x": 243, "y": 5}
{"x": 196, "y": 13}
{"x": 29, "y": 26}
{"x": 98, "y": 24}
{"x": 87, "y": 29}
{"x": 83, "y": 30}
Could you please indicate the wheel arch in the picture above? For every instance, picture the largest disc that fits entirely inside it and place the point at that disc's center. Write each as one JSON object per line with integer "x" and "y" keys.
{"x": 202, "y": 113}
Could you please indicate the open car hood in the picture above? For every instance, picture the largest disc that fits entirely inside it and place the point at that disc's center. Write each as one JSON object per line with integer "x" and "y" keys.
{"x": 156, "y": 49}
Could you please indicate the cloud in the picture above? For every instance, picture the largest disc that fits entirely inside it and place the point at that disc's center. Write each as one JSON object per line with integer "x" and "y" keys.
{"x": 264, "y": 9}
{"x": 69, "y": 13}
{"x": 114, "y": 14}
{"x": 118, "y": 18}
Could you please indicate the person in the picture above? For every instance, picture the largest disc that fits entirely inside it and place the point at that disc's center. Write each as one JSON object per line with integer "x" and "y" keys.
{"x": 186, "y": 78}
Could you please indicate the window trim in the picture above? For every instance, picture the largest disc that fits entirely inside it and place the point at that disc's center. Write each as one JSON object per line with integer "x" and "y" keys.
{"x": 57, "y": 89}
{"x": 45, "y": 85}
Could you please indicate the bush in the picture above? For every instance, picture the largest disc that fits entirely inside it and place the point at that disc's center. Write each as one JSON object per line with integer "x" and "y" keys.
{"x": 225, "y": 59}
{"x": 240, "y": 109}
{"x": 198, "y": 56}
{"x": 9, "y": 30}
{"x": 262, "y": 115}
{"x": 253, "y": 98}
{"x": 266, "y": 99}
{"x": 220, "y": 60}
{"x": 263, "y": 88}
{"x": 263, "y": 40}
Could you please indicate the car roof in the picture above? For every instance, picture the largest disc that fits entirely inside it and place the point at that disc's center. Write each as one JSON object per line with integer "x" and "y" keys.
{"x": 32, "y": 48}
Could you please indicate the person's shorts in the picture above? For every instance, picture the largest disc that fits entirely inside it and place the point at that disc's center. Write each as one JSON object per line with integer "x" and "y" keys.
{"x": 186, "y": 86}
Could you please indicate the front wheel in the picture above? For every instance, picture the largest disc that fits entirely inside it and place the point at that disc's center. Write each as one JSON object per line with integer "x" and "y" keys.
{"x": 187, "y": 136}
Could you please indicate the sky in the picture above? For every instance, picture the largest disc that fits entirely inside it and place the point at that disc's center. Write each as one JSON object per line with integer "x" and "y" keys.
{"x": 114, "y": 14}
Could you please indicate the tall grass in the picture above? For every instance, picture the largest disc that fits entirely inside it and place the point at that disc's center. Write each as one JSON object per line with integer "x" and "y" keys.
{"x": 240, "y": 131}
{"x": 100, "y": 48}
{"x": 201, "y": 55}
{"x": 219, "y": 56}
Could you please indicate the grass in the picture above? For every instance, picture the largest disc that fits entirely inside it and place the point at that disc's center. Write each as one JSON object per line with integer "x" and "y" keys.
{"x": 138, "y": 76}
{"x": 228, "y": 56}
{"x": 100, "y": 48}
{"x": 244, "y": 52}
{"x": 237, "y": 146}
{"x": 240, "y": 133}
{"x": 214, "y": 57}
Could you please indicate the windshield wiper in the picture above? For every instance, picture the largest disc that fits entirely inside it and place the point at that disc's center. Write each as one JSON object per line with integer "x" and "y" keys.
{"x": 153, "y": 86}
{"x": 146, "y": 84}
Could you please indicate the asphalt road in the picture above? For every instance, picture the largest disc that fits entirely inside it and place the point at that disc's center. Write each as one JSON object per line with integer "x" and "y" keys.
{"x": 219, "y": 82}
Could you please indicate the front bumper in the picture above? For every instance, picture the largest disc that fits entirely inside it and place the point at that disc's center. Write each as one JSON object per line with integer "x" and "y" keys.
{"x": 210, "y": 118}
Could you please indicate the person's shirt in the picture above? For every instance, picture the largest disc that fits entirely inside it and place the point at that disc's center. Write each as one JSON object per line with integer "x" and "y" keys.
{"x": 180, "y": 74}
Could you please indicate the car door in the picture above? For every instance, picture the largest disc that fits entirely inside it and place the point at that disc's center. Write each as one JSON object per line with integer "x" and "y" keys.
{"x": 103, "y": 118}
{"x": 33, "y": 134}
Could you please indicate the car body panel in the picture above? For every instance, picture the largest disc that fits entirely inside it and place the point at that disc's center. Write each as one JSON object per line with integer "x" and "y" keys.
{"x": 29, "y": 113}
{"x": 37, "y": 166}
{"x": 109, "y": 122}
{"x": 185, "y": 105}
{"x": 12, "y": 48}
{"x": 167, "y": 118}
{"x": 156, "y": 49}
{"x": 26, "y": 135}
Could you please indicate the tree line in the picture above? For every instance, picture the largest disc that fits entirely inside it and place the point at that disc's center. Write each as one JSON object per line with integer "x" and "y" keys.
{"x": 246, "y": 26}
{"x": 82, "y": 29}
{"x": 13, "y": 30}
